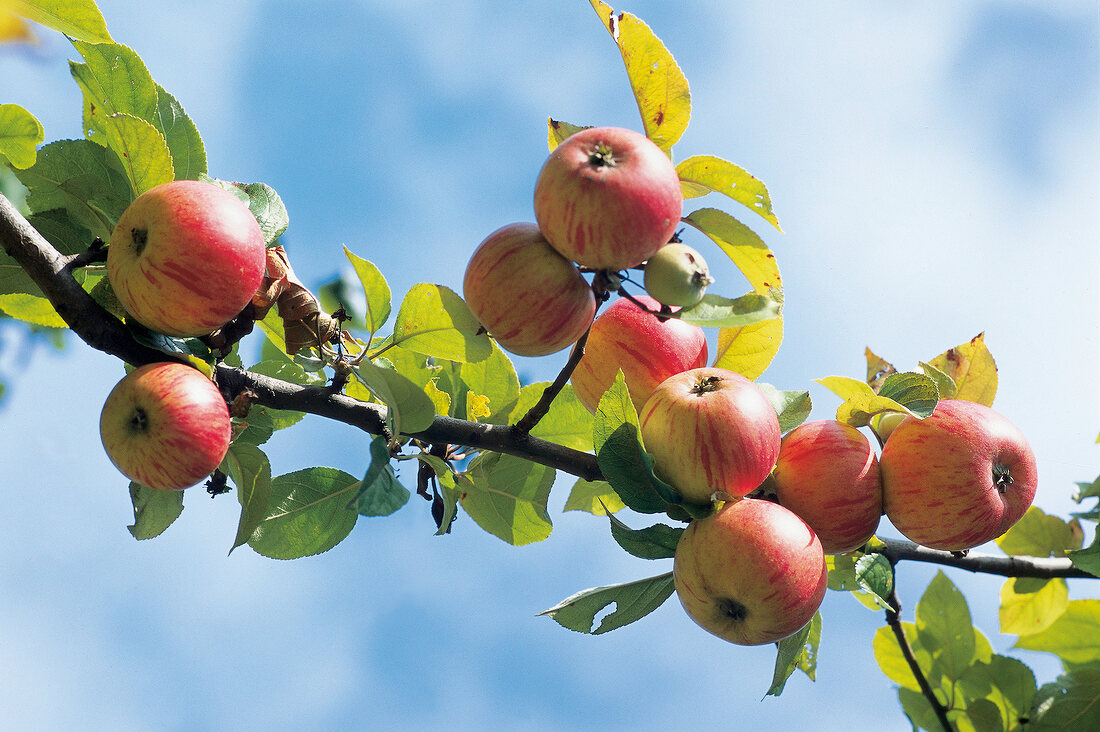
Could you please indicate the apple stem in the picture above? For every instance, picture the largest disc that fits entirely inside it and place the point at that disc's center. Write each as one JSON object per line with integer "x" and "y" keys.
{"x": 893, "y": 619}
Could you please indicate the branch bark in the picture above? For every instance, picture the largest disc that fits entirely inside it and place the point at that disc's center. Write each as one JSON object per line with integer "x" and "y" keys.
{"x": 1010, "y": 566}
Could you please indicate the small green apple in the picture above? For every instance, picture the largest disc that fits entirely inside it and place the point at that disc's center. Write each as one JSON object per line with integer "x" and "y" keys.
{"x": 677, "y": 275}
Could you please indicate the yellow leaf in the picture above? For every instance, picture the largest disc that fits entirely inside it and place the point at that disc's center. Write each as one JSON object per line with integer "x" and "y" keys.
{"x": 1024, "y": 613}
{"x": 845, "y": 387}
{"x": 32, "y": 309}
{"x": 659, "y": 85}
{"x": 749, "y": 350}
{"x": 703, "y": 174}
{"x": 558, "y": 131}
{"x": 79, "y": 19}
{"x": 14, "y": 29}
{"x": 440, "y": 399}
{"x": 878, "y": 369}
{"x": 747, "y": 250}
{"x": 972, "y": 367}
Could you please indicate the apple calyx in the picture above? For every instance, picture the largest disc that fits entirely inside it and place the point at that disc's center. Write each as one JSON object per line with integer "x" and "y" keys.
{"x": 139, "y": 422}
{"x": 1002, "y": 477}
{"x": 732, "y": 609}
{"x": 706, "y": 384}
{"x": 602, "y": 156}
{"x": 140, "y": 237}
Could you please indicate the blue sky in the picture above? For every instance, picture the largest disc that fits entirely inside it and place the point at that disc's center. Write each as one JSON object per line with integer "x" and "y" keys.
{"x": 933, "y": 168}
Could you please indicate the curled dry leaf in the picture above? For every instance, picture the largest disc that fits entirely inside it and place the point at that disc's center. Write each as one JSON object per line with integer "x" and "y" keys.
{"x": 305, "y": 323}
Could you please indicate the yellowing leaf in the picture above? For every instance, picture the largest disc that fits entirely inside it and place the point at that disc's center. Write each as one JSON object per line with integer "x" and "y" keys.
{"x": 20, "y": 134}
{"x": 595, "y": 497}
{"x": 972, "y": 367}
{"x": 844, "y": 386}
{"x": 1072, "y": 636}
{"x": 143, "y": 151}
{"x": 747, "y": 250}
{"x": 703, "y": 174}
{"x": 32, "y": 309}
{"x": 79, "y": 19}
{"x": 558, "y": 131}
{"x": 659, "y": 85}
{"x": 1024, "y": 613}
{"x": 749, "y": 350}
{"x": 434, "y": 321}
{"x": 14, "y": 29}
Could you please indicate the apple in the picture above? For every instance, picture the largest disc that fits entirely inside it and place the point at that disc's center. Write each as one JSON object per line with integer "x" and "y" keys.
{"x": 710, "y": 431}
{"x": 608, "y": 198}
{"x": 186, "y": 257}
{"x": 165, "y": 426}
{"x": 751, "y": 573}
{"x": 958, "y": 478}
{"x": 828, "y": 474}
{"x": 647, "y": 349}
{"x": 531, "y": 299}
{"x": 884, "y": 424}
{"x": 677, "y": 275}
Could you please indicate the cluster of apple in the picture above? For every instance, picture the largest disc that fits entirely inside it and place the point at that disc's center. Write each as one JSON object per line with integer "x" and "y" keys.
{"x": 607, "y": 199}
{"x": 185, "y": 258}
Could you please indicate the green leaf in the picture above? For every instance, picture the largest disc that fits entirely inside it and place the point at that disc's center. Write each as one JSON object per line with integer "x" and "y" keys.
{"x": 20, "y": 135}
{"x": 621, "y": 457}
{"x": 1073, "y": 636}
{"x": 255, "y": 429}
{"x": 715, "y": 311}
{"x": 875, "y": 575}
{"x": 269, "y": 210}
{"x": 376, "y": 289}
{"x": 632, "y": 601}
{"x": 144, "y": 153}
{"x": 1027, "y": 608}
{"x": 920, "y": 712}
{"x": 944, "y": 383}
{"x": 409, "y": 409}
{"x": 59, "y": 230}
{"x": 916, "y": 392}
{"x": 182, "y": 136}
{"x": 797, "y": 651}
{"x": 1037, "y": 534}
{"x": 434, "y": 320}
{"x": 492, "y": 387}
{"x": 892, "y": 661}
{"x": 83, "y": 178}
{"x": 792, "y": 407}
{"x": 747, "y": 250}
{"x": 31, "y": 309}
{"x": 250, "y": 470}
{"x": 659, "y": 85}
{"x": 154, "y": 511}
{"x": 79, "y": 19}
{"x": 1070, "y": 703}
{"x": 1004, "y": 682}
{"x": 596, "y": 497}
{"x": 307, "y": 514}
{"x": 114, "y": 80}
{"x": 945, "y": 627}
{"x": 655, "y": 542}
{"x": 567, "y": 423}
{"x": 380, "y": 494}
{"x": 507, "y": 497}
{"x": 703, "y": 174}
{"x": 1087, "y": 559}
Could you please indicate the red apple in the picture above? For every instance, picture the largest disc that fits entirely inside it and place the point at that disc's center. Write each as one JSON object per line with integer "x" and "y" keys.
{"x": 646, "y": 349}
{"x": 532, "y": 300}
{"x": 608, "y": 198}
{"x": 751, "y": 573}
{"x": 710, "y": 431}
{"x": 957, "y": 479}
{"x": 828, "y": 474}
{"x": 165, "y": 426}
{"x": 185, "y": 258}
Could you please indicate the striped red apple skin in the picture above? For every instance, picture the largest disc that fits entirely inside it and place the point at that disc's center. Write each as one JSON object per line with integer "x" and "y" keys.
{"x": 958, "y": 478}
{"x": 828, "y": 474}
{"x": 186, "y": 257}
{"x": 165, "y": 426}
{"x": 646, "y": 349}
{"x": 532, "y": 300}
{"x": 710, "y": 430}
{"x": 751, "y": 573}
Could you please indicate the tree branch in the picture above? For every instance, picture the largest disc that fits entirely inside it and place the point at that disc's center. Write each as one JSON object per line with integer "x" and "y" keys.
{"x": 893, "y": 619}
{"x": 1011, "y": 566}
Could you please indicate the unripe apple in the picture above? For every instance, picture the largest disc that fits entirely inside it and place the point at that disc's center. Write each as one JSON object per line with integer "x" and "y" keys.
{"x": 647, "y": 349}
{"x": 608, "y": 198}
{"x": 958, "y": 478}
{"x": 751, "y": 573}
{"x": 186, "y": 257}
{"x": 677, "y": 275}
{"x": 532, "y": 300}
{"x": 165, "y": 426}
{"x": 710, "y": 431}
{"x": 884, "y": 424}
{"x": 828, "y": 474}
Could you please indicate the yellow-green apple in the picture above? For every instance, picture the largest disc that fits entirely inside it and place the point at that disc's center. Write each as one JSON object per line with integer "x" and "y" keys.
{"x": 677, "y": 275}
{"x": 165, "y": 426}
{"x": 710, "y": 430}
{"x": 958, "y": 478}
{"x": 186, "y": 257}
{"x": 531, "y": 299}
{"x": 608, "y": 198}
{"x": 646, "y": 348}
{"x": 751, "y": 573}
{"x": 884, "y": 424}
{"x": 828, "y": 474}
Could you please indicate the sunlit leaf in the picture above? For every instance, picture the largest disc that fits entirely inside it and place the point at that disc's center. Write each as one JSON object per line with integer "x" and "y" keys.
{"x": 250, "y": 471}
{"x": 79, "y": 19}
{"x": 13, "y": 29}
{"x": 434, "y": 320}
{"x": 875, "y": 575}
{"x": 507, "y": 497}
{"x": 144, "y": 153}
{"x": 596, "y": 497}
{"x": 703, "y": 174}
{"x": 567, "y": 423}
{"x": 715, "y": 311}
{"x": 792, "y": 407}
{"x": 20, "y": 135}
{"x": 659, "y": 85}
{"x": 892, "y": 661}
{"x": 31, "y": 309}
{"x": 945, "y": 626}
{"x": 747, "y": 250}
{"x": 409, "y": 410}
{"x": 493, "y": 379}
{"x": 944, "y": 383}
{"x": 1038, "y": 534}
{"x": 154, "y": 511}
{"x": 307, "y": 514}
{"x": 1004, "y": 682}
{"x": 973, "y": 369}
{"x": 114, "y": 80}
{"x": 558, "y": 132}
{"x": 1072, "y": 636}
{"x": 750, "y": 349}
{"x": 184, "y": 141}
{"x": 797, "y": 651}
{"x": 632, "y": 601}
{"x": 376, "y": 289}
{"x": 1027, "y": 607}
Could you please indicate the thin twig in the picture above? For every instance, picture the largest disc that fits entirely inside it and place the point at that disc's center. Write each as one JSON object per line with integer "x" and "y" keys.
{"x": 893, "y": 619}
